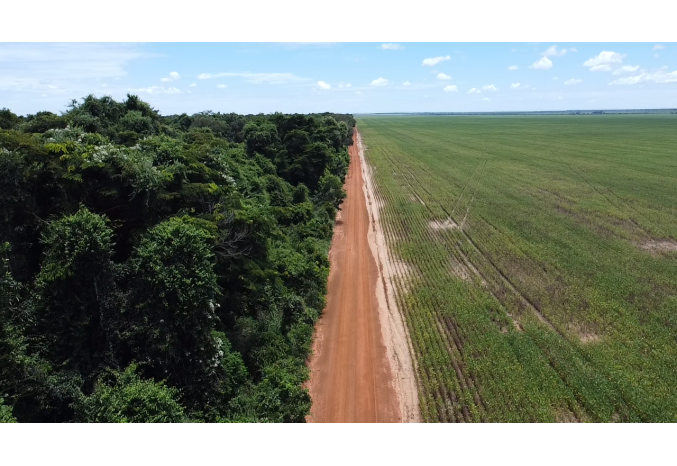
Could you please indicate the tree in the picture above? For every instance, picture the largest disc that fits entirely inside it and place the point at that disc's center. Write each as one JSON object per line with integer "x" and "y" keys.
{"x": 126, "y": 397}
{"x": 77, "y": 294}
{"x": 5, "y": 413}
{"x": 172, "y": 321}
{"x": 8, "y": 120}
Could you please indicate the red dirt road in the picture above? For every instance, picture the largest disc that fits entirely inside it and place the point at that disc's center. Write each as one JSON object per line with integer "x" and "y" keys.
{"x": 351, "y": 379}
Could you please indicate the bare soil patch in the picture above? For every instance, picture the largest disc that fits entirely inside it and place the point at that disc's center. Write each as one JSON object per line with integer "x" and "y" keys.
{"x": 658, "y": 246}
{"x": 395, "y": 332}
{"x": 585, "y": 335}
{"x": 447, "y": 224}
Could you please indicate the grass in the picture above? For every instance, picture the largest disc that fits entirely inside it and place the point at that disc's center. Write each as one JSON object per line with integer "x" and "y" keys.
{"x": 545, "y": 302}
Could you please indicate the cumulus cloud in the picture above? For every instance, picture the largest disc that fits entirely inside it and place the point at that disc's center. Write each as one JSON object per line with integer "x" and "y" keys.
{"x": 624, "y": 70}
{"x": 173, "y": 76}
{"x": 605, "y": 61}
{"x": 658, "y": 47}
{"x": 573, "y": 50}
{"x": 379, "y": 82}
{"x": 390, "y": 46}
{"x": 572, "y": 82}
{"x": 221, "y": 86}
{"x": 553, "y": 52}
{"x": 343, "y": 85}
{"x": 323, "y": 85}
{"x": 435, "y": 61}
{"x": 406, "y": 83}
{"x": 450, "y": 88}
{"x": 474, "y": 91}
{"x": 192, "y": 85}
{"x": 358, "y": 92}
{"x": 519, "y": 86}
{"x": 156, "y": 90}
{"x": 443, "y": 77}
{"x": 256, "y": 78}
{"x": 513, "y": 67}
{"x": 543, "y": 64}
{"x": 659, "y": 76}
{"x": 489, "y": 87}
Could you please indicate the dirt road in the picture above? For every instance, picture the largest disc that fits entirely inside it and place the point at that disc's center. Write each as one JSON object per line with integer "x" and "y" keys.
{"x": 351, "y": 379}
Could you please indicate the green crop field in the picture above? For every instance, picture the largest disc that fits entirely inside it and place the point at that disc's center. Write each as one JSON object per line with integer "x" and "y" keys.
{"x": 537, "y": 262}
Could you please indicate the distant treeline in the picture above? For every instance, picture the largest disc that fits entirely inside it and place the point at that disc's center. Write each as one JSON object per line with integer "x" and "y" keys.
{"x": 544, "y": 112}
{"x": 163, "y": 269}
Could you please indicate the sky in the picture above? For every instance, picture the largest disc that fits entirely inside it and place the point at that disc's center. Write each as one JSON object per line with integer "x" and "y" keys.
{"x": 342, "y": 77}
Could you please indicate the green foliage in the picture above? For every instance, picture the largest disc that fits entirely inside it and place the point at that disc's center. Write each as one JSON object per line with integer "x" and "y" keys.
{"x": 8, "y": 120}
{"x": 77, "y": 294}
{"x": 43, "y": 121}
{"x": 126, "y": 397}
{"x": 5, "y": 413}
{"x": 535, "y": 288}
{"x": 191, "y": 250}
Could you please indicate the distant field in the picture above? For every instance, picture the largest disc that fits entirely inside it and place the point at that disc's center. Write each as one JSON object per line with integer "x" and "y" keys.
{"x": 537, "y": 262}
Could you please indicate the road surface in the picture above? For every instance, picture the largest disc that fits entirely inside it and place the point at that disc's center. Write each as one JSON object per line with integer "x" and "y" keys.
{"x": 351, "y": 379}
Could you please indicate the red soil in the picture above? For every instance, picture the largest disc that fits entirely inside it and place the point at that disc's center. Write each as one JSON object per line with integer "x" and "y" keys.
{"x": 351, "y": 379}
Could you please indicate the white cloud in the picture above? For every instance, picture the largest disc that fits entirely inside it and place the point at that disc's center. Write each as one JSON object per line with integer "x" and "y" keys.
{"x": 358, "y": 92}
{"x": 450, "y": 88}
{"x": 443, "y": 77}
{"x": 572, "y": 82}
{"x": 435, "y": 61}
{"x": 605, "y": 61}
{"x": 390, "y": 46}
{"x": 221, "y": 86}
{"x": 655, "y": 55}
{"x": 543, "y": 64}
{"x": 573, "y": 50}
{"x": 156, "y": 90}
{"x": 553, "y": 52}
{"x": 173, "y": 76}
{"x": 193, "y": 85}
{"x": 513, "y": 67}
{"x": 379, "y": 82}
{"x": 323, "y": 85}
{"x": 104, "y": 85}
{"x": 256, "y": 78}
{"x": 487, "y": 99}
{"x": 658, "y": 47}
{"x": 74, "y": 67}
{"x": 406, "y": 83}
{"x": 659, "y": 76}
{"x": 474, "y": 91}
{"x": 489, "y": 87}
{"x": 625, "y": 69}
{"x": 343, "y": 85}
{"x": 519, "y": 86}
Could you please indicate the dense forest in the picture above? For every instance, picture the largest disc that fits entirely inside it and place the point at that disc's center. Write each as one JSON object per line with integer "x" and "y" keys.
{"x": 163, "y": 268}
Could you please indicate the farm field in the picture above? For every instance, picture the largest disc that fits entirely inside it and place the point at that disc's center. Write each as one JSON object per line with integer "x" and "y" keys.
{"x": 536, "y": 262}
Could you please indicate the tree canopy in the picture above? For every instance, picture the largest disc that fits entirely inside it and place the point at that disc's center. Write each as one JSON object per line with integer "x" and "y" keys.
{"x": 163, "y": 268}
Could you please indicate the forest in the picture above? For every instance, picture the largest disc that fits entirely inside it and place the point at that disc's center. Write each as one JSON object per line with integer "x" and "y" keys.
{"x": 163, "y": 268}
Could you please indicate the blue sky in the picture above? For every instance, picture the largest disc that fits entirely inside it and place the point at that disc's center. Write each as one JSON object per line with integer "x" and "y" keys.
{"x": 342, "y": 77}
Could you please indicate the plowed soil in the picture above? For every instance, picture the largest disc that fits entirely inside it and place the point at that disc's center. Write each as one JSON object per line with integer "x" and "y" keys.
{"x": 351, "y": 379}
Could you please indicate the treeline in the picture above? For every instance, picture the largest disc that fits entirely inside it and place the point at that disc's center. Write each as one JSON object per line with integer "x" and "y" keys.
{"x": 163, "y": 269}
